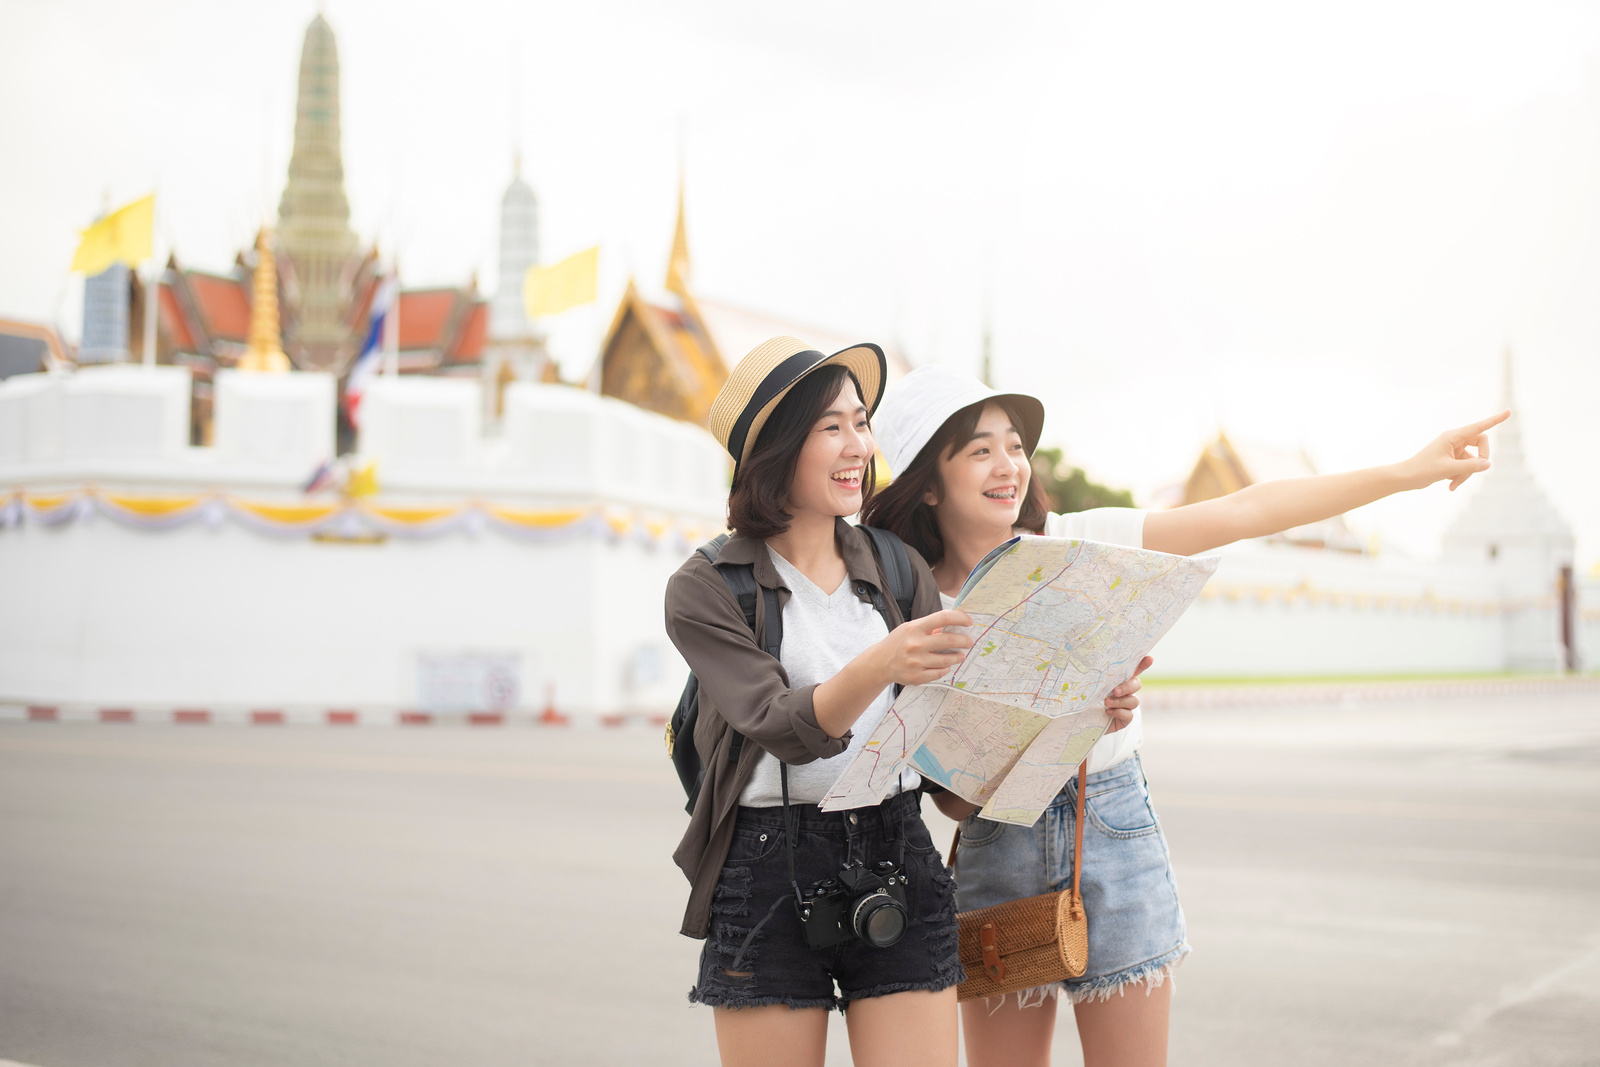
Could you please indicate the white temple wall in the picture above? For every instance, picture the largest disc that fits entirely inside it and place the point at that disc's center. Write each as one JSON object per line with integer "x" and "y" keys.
{"x": 220, "y": 617}
{"x": 275, "y": 418}
{"x": 1275, "y": 609}
{"x": 136, "y": 570}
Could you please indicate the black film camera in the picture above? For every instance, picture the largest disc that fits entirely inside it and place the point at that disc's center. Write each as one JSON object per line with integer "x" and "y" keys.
{"x": 862, "y": 902}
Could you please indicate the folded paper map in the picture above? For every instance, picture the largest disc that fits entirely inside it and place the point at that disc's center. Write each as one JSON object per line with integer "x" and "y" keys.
{"x": 1057, "y": 623}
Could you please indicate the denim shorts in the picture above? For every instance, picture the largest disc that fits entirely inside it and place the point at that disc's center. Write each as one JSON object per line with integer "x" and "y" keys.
{"x": 782, "y": 969}
{"x": 1136, "y": 928}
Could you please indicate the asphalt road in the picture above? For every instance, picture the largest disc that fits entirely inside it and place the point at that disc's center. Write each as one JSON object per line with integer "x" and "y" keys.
{"x": 1404, "y": 883}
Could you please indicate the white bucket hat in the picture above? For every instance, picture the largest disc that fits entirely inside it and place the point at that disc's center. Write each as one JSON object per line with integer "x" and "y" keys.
{"x": 916, "y": 406}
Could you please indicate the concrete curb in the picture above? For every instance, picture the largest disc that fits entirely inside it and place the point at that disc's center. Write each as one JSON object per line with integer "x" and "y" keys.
{"x": 1266, "y": 695}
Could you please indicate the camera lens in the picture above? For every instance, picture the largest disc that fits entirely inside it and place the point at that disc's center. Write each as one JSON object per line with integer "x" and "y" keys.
{"x": 879, "y": 919}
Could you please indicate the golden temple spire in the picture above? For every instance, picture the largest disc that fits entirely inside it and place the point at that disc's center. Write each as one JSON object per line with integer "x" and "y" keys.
{"x": 678, "y": 262}
{"x": 266, "y": 348}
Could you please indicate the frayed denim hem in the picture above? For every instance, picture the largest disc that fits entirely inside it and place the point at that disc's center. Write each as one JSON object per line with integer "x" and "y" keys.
{"x": 733, "y": 1002}
{"x": 1151, "y": 973}
{"x": 938, "y": 985}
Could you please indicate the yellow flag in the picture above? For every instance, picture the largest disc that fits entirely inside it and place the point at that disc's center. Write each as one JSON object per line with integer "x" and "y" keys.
{"x": 123, "y": 236}
{"x": 554, "y": 289}
{"x": 363, "y": 482}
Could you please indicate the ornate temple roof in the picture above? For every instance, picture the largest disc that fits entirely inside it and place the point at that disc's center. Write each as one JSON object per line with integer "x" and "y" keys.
{"x": 1227, "y": 465}
{"x": 673, "y": 357}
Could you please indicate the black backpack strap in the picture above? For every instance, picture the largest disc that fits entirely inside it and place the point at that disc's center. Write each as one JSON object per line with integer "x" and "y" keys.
{"x": 713, "y": 548}
{"x": 896, "y": 566}
{"x": 740, "y": 578}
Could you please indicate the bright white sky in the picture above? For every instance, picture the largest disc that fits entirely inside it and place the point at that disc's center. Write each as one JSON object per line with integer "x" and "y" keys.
{"x": 1311, "y": 225}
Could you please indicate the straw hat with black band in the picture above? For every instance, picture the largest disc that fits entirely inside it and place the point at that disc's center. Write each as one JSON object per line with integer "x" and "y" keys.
{"x": 765, "y": 376}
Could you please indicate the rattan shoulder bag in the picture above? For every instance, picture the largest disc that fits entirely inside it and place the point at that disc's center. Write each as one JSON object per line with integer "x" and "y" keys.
{"x": 1030, "y": 942}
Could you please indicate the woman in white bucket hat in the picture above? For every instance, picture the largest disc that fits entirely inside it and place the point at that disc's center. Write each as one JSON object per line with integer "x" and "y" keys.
{"x": 959, "y": 452}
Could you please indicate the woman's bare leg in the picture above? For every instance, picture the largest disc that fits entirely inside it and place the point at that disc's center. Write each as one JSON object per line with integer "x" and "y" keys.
{"x": 913, "y": 1029}
{"x": 1127, "y": 1030}
{"x": 1009, "y": 1036}
{"x": 774, "y": 1034}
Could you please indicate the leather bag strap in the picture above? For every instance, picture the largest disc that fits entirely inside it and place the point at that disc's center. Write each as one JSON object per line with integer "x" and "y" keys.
{"x": 1077, "y": 837}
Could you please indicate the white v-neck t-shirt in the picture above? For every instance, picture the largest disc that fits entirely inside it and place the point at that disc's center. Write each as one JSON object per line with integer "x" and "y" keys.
{"x": 1112, "y": 526}
{"x": 821, "y": 633}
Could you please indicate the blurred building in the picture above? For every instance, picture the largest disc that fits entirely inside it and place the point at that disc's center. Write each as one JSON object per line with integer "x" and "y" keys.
{"x": 29, "y": 347}
{"x": 516, "y": 350}
{"x": 671, "y": 355}
{"x": 321, "y": 255}
{"x": 1510, "y": 527}
{"x": 326, "y": 278}
{"x": 1226, "y": 466}
{"x": 662, "y": 356}
{"x": 1310, "y": 602}
{"x": 476, "y": 574}
{"x": 107, "y": 301}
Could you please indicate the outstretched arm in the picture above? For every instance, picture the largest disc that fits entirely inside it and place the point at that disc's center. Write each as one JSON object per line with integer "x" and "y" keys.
{"x": 1268, "y": 507}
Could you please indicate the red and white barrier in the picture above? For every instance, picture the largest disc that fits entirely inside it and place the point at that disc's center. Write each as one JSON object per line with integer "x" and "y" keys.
{"x": 1154, "y": 697}
{"x": 367, "y": 716}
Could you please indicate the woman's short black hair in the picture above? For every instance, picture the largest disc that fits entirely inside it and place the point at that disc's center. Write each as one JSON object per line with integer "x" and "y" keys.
{"x": 900, "y": 508}
{"x": 761, "y": 485}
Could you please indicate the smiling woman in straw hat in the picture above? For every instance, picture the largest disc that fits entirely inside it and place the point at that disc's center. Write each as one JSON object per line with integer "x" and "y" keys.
{"x": 963, "y": 485}
{"x": 776, "y": 728}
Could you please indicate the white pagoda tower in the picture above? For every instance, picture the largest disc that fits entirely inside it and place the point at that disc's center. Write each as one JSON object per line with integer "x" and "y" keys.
{"x": 1511, "y": 525}
{"x": 519, "y": 250}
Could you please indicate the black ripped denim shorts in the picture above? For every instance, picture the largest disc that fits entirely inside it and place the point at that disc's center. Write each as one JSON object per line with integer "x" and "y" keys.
{"x": 778, "y": 967}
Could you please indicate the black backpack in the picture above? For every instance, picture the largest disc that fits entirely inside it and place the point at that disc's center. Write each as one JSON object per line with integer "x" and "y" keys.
{"x": 741, "y": 581}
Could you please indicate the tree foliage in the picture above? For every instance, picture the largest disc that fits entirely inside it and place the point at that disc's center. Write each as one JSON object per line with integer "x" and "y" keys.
{"x": 1070, "y": 489}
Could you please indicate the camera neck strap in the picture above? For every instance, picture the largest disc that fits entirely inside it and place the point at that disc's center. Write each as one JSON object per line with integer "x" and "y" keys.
{"x": 794, "y": 882}
{"x": 789, "y": 831}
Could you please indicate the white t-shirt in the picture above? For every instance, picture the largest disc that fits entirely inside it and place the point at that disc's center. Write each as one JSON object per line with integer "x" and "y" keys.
{"x": 1113, "y": 526}
{"x": 821, "y": 633}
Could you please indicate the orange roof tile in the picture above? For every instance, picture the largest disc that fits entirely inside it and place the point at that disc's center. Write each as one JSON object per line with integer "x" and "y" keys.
{"x": 172, "y": 317}
{"x": 223, "y": 306}
{"x": 424, "y": 315}
{"x": 470, "y": 338}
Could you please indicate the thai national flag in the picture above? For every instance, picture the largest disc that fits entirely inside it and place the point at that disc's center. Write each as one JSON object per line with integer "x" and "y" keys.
{"x": 321, "y": 478}
{"x": 366, "y": 366}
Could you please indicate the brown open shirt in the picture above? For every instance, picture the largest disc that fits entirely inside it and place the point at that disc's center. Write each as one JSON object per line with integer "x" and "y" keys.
{"x": 744, "y": 688}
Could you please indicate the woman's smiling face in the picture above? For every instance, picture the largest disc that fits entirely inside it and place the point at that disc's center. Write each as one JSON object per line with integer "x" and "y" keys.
{"x": 985, "y": 481}
{"x": 827, "y": 477}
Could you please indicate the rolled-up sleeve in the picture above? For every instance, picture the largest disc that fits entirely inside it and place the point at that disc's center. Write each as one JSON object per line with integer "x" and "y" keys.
{"x": 747, "y": 687}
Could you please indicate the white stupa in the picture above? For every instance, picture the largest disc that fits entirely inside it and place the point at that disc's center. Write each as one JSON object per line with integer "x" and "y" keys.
{"x": 1511, "y": 525}
{"x": 519, "y": 250}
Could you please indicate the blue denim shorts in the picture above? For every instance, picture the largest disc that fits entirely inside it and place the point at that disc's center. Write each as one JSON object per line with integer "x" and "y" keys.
{"x": 778, "y": 966}
{"x": 1136, "y": 928}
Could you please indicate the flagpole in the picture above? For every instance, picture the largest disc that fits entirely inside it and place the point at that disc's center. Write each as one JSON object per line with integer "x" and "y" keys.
{"x": 391, "y": 327}
{"x": 152, "y": 293}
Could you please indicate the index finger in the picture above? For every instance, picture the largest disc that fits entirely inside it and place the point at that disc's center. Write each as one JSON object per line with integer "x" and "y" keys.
{"x": 1474, "y": 429}
{"x": 948, "y": 617}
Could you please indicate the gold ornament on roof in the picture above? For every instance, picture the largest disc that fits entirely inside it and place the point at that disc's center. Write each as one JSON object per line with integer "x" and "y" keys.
{"x": 265, "y": 353}
{"x": 678, "y": 261}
